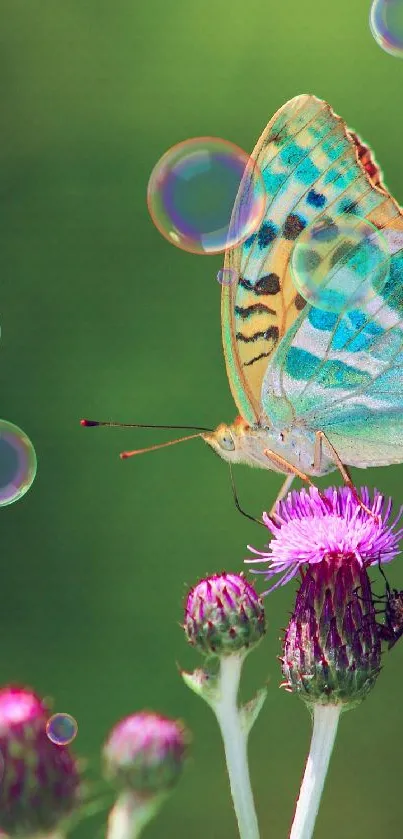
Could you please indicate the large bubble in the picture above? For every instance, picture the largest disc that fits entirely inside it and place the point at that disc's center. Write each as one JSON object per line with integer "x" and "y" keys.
{"x": 386, "y": 23}
{"x": 340, "y": 265}
{"x": 17, "y": 463}
{"x": 192, "y": 191}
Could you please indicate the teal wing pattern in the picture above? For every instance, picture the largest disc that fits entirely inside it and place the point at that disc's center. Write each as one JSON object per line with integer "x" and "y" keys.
{"x": 343, "y": 373}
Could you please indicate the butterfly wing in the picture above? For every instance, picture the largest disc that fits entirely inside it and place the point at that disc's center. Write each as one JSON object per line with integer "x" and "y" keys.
{"x": 343, "y": 373}
{"x": 309, "y": 162}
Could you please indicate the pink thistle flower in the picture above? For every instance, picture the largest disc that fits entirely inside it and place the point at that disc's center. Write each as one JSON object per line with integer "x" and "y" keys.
{"x": 310, "y": 527}
{"x": 39, "y": 780}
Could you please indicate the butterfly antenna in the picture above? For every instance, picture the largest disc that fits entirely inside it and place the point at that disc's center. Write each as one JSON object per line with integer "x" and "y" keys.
{"x": 86, "y": 423}
{"x": 236, "y": 501}
{"x": 155, "y": 448}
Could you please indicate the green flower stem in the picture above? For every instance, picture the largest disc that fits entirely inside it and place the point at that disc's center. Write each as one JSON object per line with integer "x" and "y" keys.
{"x": 234, "y": 730}
{"x": 325, "y": 723}
{"x": 130, "y": 815}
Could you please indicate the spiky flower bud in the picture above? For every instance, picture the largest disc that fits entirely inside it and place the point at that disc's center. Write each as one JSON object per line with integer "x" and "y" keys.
{"x": 332, "y": 648}
{"x": 145, "y": 753}
{"x": 224, "y": 615}
{"x": 40, "y": 781}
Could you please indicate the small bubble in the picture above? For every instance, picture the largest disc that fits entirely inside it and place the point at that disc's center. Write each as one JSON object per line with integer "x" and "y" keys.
{"x": 17, "y": 463}
{"x": 227, "y": 276}
{"x": 340, "y": 264}
{"x": 386, "y": 24}
{"x": 192, "y": 192}
{"x": 61, "y": 729}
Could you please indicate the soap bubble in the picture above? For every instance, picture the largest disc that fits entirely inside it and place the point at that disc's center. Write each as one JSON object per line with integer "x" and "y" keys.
{"x": 192, "y": 191}
{"x": 17, "y": 463}
{"x": 386, "y": 23}
{"x": 227, "y": 276}
{"x": 340, "y": 264}
{"x": 61, "y": 729}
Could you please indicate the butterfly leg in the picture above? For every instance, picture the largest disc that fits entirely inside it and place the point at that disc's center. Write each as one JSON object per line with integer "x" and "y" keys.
{"x": 295, "y": 473}
{"x": 282, "y": 493}
{"x": 237, "y": 504}
{"x": 287, "y": 467}
{"x": 320, "y": 439}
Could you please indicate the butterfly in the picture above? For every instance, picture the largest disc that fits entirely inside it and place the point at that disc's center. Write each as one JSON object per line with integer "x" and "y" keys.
{"x": 315, "y": 390}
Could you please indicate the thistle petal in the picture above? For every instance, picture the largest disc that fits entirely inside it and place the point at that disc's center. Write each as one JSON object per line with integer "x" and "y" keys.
{"x": 310, "y": 526}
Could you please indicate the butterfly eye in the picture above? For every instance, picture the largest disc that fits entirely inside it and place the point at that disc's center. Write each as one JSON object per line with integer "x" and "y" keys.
{"x": 226, "y": 442}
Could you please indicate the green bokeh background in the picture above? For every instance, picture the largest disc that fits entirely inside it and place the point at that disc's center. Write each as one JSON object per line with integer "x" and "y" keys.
{"x": 101, "y": 317}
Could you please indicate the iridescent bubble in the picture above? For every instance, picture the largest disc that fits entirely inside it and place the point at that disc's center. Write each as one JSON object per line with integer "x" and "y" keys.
{"x": 227, "y": 276}
{"x": 61, "y": 729}
{"x": 386, "y": 23}
{"x": 341, "y": 264}
{"x": 192, "y": 190}
{"x": 17, "y": 463}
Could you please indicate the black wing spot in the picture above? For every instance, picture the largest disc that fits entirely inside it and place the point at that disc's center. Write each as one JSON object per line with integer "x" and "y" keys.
{"x": 271, "y": 333}
{"x": 269, "y": 284}
{"x": 245, "y": 312}
{"x": 257, "y": 358}
{"x": 299, "y": 302}
{"x": 293, "y": 226}
{"x": 266, "y": 234}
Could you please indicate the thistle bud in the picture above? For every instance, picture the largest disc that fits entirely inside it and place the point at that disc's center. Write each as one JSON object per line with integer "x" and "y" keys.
{"x": 332, "y": 648}
{"x": 145, "y": 753}
{"x": 40, "y": 781}
{"x": 224, "y": 615}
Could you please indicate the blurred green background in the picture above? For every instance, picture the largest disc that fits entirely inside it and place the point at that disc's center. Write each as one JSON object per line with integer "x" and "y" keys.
{"x": 101, "y": 317}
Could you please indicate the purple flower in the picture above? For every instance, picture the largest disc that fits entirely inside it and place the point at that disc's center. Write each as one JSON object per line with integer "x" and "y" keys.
{"x": 39, "y": 781}
{"x": 310, "y": 526}
{"x": 224, "y": 614}
{"x": 145, "y": 753}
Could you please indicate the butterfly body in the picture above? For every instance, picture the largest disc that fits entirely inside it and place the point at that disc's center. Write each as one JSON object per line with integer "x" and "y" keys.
{"x": 252, "y": 445}
{"x": 295, "y": 371}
